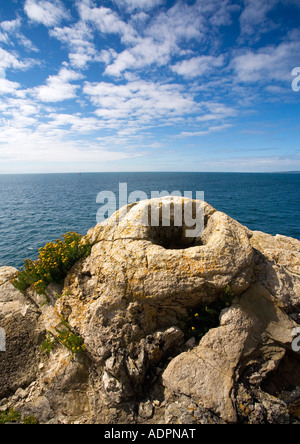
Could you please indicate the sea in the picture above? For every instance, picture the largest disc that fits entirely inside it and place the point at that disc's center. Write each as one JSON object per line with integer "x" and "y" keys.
{"x": 36, "y": 209}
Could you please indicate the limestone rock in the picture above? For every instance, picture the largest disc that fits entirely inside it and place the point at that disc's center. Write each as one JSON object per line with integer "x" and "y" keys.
{"x": 278, "y": 267}
{"x": 127, "y": 301}
{"x": 253, "y": 332}
{"x": 19, "y": 321}
{"x": 6, "y": 273}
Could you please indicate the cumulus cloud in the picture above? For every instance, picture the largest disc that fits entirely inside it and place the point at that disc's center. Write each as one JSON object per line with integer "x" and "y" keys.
{"x": 160, "y": 39}
{"x": 145, "y": 53}
{"x": 48, "y": 13}
{"x": 268, "y": 63}
{"x": 78, "y": 38}
{"x": 8, "y": 87}
{"x": 106, "y": 21}
{"x": 58, "y": 88}
{"x": 11, "y": 25}
{"x": 198, "y": 66}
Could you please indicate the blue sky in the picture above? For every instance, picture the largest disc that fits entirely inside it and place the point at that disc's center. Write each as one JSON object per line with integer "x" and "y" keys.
{"x": 149, "y": 85}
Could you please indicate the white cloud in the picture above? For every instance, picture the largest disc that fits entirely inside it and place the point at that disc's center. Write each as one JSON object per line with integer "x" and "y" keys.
{"x": 198, "y": 66}
{"x": 132, "y": 5}
{"x": 76, "y": 123}
{"x": 143, "y": 54}
{"x": 58, "y": 88}
{"x": 269, "y": 63}
{"x": 106, "y": 21}
{"x": 210, "y": 130}
{"x": 26, "y": 43}
{"x": 215, "y": 111}
{"x": 181, "y": 23}
{"x": 254, "y": 164}
{"x": 24, "y": 145}
{"x": 256, "y": 18}
{"x": 3, "y": 37}
{"x": 140, "y": 101}
{"x": 8, "y": 87}
{"x": 150, "y": 40}
{"x": 78, "y": 39}
{"x": 45, "y": 12}
{"x": 33, "y": 133}
{"x": 10, "y": 60}
{"x": 159, "y": 41}
{"x": 11, "y": 25}
{"x": 253, "y": 19}
{"x": 11, "y": 29}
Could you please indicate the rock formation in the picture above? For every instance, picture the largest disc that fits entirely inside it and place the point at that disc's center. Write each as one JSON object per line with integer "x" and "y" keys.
{"x": 128, "y": 300}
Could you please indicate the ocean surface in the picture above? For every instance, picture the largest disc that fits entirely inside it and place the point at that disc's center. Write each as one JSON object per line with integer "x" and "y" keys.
{"x": 36, "y": 209}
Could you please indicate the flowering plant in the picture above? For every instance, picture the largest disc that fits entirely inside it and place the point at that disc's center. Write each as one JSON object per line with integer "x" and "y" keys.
{"x": 53, "y": 263}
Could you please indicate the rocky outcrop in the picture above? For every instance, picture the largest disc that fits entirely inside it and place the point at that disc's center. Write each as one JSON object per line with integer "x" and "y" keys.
{"x": 128, "y": 301}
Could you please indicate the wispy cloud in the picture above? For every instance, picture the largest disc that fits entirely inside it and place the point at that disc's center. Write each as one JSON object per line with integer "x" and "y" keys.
{"x": 11, "y": 29}
{"x": 45, "y": 12}
{"x": 210, "y": 130}
{"x": 132, "y": 5}
{"x": 145, "y": 102}
{"x": 11, "y": 60}
{"x": 79, "y": 40}
{"x": 254, "y": 19}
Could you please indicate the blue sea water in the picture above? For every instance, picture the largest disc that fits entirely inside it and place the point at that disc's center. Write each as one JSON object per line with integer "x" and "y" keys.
{"x": 36, "y": 209}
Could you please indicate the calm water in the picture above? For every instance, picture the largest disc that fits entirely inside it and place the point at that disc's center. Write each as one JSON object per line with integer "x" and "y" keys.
{"x": 36, "y": 209}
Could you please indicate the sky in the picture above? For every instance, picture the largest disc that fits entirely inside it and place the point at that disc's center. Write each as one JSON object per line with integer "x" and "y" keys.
{"x": 149, "y": 85}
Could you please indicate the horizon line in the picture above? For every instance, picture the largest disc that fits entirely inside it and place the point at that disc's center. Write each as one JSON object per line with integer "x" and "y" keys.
{"x": 152, "y": 172}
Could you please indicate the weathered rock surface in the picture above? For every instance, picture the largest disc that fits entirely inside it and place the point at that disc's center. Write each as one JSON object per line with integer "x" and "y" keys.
{"x": 19, "y": 320}
{"x": 127, "y": 301}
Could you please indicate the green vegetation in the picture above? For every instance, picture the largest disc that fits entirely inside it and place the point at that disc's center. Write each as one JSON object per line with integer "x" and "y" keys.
{"x": 13, "y": 416}
{"x": 47, "y": 345}
{"x": 30, "y": 420}
{"x": 10, "y": 415}
{"x": 54, "y": 262}
{"x": 201, "y": 319}
{"x": 65, "y": 337}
